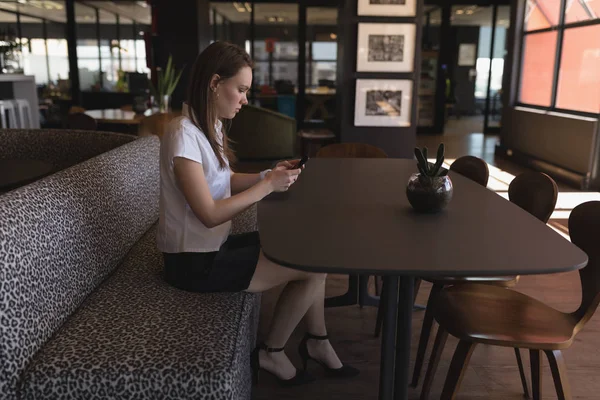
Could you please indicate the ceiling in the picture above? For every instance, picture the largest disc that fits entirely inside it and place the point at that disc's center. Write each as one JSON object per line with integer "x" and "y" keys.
{"x": 264, "y": 13}
{"x": 267, "y": 13}
{"x": 54, "y": 10}
{"x": 471, "y": 15}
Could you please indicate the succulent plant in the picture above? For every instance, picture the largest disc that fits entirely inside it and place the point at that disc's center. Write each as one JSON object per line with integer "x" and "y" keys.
{"x": 430, "y": 170}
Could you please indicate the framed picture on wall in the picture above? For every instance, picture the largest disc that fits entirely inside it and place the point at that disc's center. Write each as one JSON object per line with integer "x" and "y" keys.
{"x": 383, "y": 102}
{"x": 388, "y": 8}
{"x": 385, "y": 47}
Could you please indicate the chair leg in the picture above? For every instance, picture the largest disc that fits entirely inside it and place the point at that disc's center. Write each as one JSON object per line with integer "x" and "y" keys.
{"x": 559, "y": 373}
{"x": 458, "y": 366}
{"x": 417, "y": 287}
{"x": 380, "y": 311}
{"x": 536, "y": 373}
{"x": 347, "y": 299}
{"x": 522, "y": 373}
{"x": 436, "y": 354}
{"x": 364, "y": 298}
{"x": 425, "y": 334}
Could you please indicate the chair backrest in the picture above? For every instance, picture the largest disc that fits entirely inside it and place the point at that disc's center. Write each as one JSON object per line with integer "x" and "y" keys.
{"x": 155, "y": 124}
{"x": 76, "y": 109}
{"x": 351, "y": 150}
{"x": 473, "y": 168}
{"x": 535, "y": 192}
{"x": 584, "y": 229}
{"x": 82, "y": 121}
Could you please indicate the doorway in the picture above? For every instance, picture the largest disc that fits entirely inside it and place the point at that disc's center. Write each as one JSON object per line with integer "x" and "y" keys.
{"x": 464, "y": 47}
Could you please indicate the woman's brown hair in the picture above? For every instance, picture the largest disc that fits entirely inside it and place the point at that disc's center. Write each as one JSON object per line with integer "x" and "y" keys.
{"x": 225, "y": 60}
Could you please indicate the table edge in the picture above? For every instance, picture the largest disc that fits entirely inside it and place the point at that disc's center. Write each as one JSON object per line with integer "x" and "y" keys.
{"x": 421, "y": 273}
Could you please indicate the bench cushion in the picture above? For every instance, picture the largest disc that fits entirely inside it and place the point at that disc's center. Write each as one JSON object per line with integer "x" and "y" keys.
{"x": 137, "y": 337}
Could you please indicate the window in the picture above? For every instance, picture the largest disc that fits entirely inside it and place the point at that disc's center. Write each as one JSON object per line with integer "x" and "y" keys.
{"x": 538, "y": 68}
{"x": 541, "y": 14}
{"x": 579, "y": 79}
{"x": 561, "y": 56}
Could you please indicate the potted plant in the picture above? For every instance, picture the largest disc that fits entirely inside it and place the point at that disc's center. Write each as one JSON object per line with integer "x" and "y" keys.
{"x": 429, "y": 190}
{"x": 166, "y": 83}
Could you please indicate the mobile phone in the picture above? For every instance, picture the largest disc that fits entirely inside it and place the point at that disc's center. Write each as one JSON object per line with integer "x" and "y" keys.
{"x": 301, "y": 163}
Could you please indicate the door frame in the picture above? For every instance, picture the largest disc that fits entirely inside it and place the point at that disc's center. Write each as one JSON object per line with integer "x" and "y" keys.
{"x": 445, "y": 56}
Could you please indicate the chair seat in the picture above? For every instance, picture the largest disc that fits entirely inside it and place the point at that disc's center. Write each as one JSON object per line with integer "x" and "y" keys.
{"x": 494, "y": 315}
{"x": 503, "y": 281}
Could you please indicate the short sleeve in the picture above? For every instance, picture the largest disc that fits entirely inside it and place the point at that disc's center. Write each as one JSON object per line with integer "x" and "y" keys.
{"x": 186, "y": 145}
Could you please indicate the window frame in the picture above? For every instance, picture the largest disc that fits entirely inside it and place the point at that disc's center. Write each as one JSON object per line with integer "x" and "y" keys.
{"x": 560, "y": 28}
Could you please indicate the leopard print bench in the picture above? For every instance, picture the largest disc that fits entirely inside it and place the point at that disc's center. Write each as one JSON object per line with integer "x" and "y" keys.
{"x": 84, "y": 313}
{"x": 137, "y": 337}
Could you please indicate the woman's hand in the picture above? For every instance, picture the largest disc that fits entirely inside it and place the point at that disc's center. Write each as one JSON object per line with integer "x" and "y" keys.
{"x": 281, "y": 178}
{"x": 287, "y": 164}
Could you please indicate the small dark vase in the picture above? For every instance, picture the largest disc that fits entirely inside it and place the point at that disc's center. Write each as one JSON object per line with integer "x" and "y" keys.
{"x": 429, "y": 195}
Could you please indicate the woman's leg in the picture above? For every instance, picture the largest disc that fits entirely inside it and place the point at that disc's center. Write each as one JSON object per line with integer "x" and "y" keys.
{"x": 296, "y": 298}
{"x": 315, "y": 324}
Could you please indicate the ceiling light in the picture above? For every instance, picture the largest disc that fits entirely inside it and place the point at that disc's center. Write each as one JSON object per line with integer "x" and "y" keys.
{"x": 470, "y": 12}
{"x": 333, "y": 36}
{"x": 239, "y": 7}
{"x": 142, "y": 4}
{"x": 248, "y": 7}
{"x": 460, "y": 12}
{"x": 22, "y": 1}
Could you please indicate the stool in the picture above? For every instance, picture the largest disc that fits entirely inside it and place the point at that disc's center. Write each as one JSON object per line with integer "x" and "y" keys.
{"x": 7, "y": 105}
{"x": 314, "y": 137}
{"x": 22, "y": 106}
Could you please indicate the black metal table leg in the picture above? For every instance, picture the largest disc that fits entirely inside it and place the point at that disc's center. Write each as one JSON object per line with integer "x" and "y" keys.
{"x": 403, "y": 336}
{"x": 388, "y": 340}
{"x": 347, "y": 299}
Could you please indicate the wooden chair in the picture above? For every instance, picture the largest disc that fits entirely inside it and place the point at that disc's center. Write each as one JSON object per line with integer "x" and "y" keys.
{"x": 473, "y": 168}
{"x": 314, "y": 138}
{"x": 155, "y": 124}
{"x": 539, "y": 202}
{"x": 357, "y": 285}
{"x": 488, "y": 315}
{"x": 76, "y": 109}
{"x": 81, "y": 121}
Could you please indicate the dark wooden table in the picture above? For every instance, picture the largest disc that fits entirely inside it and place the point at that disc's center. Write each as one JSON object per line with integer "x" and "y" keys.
{"x": 118, "y": 116}
{"x": 18, "y": 172}
{"x": 351, "y": 216}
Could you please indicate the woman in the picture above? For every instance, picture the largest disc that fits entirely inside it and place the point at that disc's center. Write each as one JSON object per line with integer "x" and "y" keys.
{"x": 197, "y": 206}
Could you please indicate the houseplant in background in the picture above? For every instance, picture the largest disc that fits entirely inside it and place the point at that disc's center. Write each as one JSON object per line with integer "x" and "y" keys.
{"x": 166, "y": 83}
{"x": 429, "y": 190}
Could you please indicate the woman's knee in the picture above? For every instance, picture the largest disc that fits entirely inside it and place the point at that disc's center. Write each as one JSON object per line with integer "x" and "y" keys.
{"x": 318, "y": 277}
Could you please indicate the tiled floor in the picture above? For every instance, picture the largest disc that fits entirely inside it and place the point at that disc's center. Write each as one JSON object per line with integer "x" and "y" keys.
{"x": 493, "y": 374}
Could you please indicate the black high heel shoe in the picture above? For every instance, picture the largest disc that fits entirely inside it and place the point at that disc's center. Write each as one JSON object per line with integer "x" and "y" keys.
{"x": 346, "y": 371}
{"x": 301, "y": 377}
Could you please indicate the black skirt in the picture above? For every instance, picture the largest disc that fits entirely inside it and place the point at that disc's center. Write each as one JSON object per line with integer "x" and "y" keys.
{"x": 228, "y": 270}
